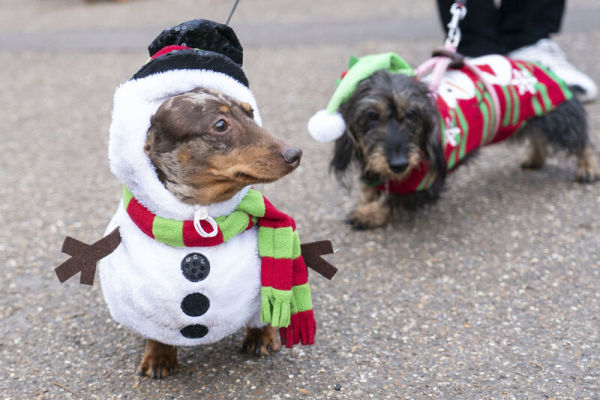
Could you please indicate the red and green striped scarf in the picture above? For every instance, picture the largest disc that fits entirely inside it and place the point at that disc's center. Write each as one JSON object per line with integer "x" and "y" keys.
{"x": 286, "y": 300}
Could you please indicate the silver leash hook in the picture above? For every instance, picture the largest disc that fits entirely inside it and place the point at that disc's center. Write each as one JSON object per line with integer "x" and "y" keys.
{"x": 458, "y": 11}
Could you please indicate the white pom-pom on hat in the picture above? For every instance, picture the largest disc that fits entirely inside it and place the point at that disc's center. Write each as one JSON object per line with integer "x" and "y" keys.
{"x": 326, "y": 127}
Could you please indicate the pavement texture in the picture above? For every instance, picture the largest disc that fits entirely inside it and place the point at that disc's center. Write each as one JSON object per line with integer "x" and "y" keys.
{"x": 492, "y": 293}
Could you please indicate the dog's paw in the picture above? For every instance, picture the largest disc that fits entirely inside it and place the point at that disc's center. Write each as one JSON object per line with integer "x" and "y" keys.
{"x": 588, "y": 170}
{"x": 369, "y": 216}
{"x": 533, "y": 163}
{"x": 261, "y": 341}
{"x": 586, "y": 176}
{"x": 159, "y": 361}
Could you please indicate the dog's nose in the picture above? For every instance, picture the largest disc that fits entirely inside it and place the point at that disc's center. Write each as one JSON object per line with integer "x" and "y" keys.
{"x": 398, "y": 164}
{"x": 292, "y": 156}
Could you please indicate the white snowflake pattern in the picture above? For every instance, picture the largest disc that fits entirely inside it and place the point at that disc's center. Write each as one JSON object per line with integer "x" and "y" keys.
{"x": 451, "y": 132}
{"x": 524, "y": 81}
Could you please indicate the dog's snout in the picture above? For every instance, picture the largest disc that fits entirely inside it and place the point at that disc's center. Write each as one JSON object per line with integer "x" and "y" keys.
{"x": 292, "y": 155}
{"x": 398, "y": 164}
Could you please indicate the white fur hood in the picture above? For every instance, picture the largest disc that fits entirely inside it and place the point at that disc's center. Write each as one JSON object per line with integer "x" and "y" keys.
{"x": 135, "y": 101}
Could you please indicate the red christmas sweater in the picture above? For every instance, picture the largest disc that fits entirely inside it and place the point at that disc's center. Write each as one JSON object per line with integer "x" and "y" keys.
{"x": 467, "y": 113}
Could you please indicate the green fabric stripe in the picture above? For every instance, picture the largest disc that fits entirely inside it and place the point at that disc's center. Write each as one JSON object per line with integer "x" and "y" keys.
{"x": 168, "y": 231}
{"x": 265, "y": 242}
{"x": 483, "y": 107}
{"x": 234, "y": 223}
{"x": 429, "y": 180}
{"x": 127, "y": 196}
{"x": 275, "y": 242}
{"x": 561, "y": 83}
{"x": 540, "y": 87}
{"x": 296, "y": 250}
{"x": 452, "y": 158}
{"x": 253, "y": 203}
{"x": 509, "y": 105}
{"x": 301, "y": 299}
{"x": 465, "y": 132}
{"x": 275, "y": 307}
{"x": 423, "y": 181}
{"x": 283, "y": 242}
{"x": 536, "y": 106}
{"x": 517, "y": 105}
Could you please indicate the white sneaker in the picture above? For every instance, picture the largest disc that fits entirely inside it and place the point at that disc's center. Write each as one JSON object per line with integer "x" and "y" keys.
{"x": 548, "y": 54}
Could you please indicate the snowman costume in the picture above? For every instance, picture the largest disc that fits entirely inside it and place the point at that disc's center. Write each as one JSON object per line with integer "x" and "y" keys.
{"x": 181, "y": 295}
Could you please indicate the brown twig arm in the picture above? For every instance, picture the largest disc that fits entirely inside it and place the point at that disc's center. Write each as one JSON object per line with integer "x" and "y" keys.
{"x": 84, "y": 257}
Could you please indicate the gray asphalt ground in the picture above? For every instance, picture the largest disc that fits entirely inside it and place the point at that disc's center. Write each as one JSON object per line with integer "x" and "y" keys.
{"x": 493, "y": 293}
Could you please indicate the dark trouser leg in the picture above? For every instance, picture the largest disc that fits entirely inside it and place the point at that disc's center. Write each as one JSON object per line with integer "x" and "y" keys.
{"x": 522, "y": 23}
{"x": 518, "y": 23}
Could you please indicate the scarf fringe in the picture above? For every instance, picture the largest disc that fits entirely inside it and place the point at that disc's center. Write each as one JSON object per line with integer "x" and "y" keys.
{"x": 275, "y": 307}
{"x": 302, "y": 329}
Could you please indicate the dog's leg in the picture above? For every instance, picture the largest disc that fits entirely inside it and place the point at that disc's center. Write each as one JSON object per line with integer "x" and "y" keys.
{"x": 261, "y": 341}
{"x": 159, "y": 361}
{"x": 587, "y": 166}
{"x": 373, "y": 210}
{"x": 538, "y": 150}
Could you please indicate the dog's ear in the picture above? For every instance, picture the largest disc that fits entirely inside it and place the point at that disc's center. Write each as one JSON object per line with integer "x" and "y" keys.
{"x": 343, "y": 151}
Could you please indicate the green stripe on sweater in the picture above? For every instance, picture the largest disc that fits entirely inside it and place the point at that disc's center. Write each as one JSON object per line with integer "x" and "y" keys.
{"x": 516, "y": 105}
{"x": 509, "y": 106}
{"x": 464, "y": 125}
{"x": 540, "y": 87}
{"x": 561, "y": 83}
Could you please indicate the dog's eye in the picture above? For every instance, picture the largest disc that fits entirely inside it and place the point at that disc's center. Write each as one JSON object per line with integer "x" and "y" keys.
{"x": 372, "y": 115}
{"x": 221, "y": 126}
{"x": 410, "y": 114}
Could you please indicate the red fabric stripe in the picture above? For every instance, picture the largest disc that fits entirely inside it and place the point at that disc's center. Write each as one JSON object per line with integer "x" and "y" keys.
{"x": 410, "y": 184}
{"x": 168, "y": 49}
{"x": 275, "y": 223}
{"x": 555, "y": 92}
{"x": 141, "y": 216}
{"x": 276, "y": 273}
{"x": 191, "y": 238}
{"x": 250, "y": 222}
{"x": 275, "y": 216}
{"x": 302, "y": 329}
{"x": 299, "y": 272}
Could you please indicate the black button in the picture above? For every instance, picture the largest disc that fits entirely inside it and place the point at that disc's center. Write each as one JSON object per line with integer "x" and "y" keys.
{"x": 194, "y": 331}
{"x": 195, "y": 267}
{"x": 195, "y": 304}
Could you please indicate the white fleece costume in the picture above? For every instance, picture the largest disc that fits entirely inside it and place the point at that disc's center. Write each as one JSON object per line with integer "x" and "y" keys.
{"x": 143, "y": 281}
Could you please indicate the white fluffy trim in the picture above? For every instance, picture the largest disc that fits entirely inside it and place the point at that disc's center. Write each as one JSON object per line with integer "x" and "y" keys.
{"x": 325, "y": 127}
{"x": 135, "y": 102}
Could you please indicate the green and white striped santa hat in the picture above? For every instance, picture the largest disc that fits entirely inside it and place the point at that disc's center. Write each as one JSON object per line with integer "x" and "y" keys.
{"x": 327, "y": 125}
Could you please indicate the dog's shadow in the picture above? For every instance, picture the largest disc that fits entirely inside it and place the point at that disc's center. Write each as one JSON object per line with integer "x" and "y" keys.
{"x": 481, "y": 193}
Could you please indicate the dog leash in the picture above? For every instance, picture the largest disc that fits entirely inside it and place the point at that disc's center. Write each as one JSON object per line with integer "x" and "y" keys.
{"x": 447, "y": 57}
{"x": 232, "y": 11}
